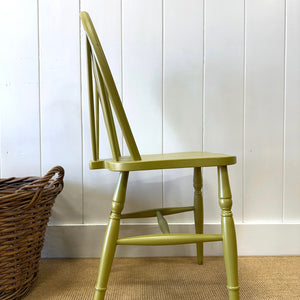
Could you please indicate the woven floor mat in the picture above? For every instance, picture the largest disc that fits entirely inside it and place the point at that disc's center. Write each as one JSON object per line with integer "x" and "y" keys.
{"x": 169, "y": 278}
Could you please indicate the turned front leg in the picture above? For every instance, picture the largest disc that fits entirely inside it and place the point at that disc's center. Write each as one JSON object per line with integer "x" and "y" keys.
{"x": 198, "y": 213}
{"x": 111, "y": 236}
{"x": 228, "y": 232}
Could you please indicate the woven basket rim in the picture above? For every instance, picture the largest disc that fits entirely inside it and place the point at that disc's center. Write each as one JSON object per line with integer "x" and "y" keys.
{"x": 24, "y": 215}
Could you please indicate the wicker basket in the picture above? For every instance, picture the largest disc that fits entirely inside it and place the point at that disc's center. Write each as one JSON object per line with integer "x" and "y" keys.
{"x": 25, "y": 207}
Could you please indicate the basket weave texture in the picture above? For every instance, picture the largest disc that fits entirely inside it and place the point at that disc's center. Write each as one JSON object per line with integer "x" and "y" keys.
{"x": 25, "y": 208}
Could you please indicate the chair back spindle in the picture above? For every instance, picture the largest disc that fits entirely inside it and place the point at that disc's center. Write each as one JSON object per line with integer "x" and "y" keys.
{"x": 103, "y": 88}
{"x": 96, "y": 101}
{"x": 106, "y": 110}
{"x": 91, "y": 103}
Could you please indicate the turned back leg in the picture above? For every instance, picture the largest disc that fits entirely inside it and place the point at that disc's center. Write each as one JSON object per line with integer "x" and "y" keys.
{"x": 198, "y": 213}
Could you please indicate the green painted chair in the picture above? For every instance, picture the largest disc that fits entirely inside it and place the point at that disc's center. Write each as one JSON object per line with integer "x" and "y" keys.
{"x": 102, "y": 89}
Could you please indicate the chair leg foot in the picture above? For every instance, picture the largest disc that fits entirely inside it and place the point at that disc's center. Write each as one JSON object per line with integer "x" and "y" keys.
{"x": 233, "y": 292}
{"x": 200, "y": 253}
{"x": 107, "y": 256}
{"x": 230, "y": 257}
{"x": 99, "y": 294}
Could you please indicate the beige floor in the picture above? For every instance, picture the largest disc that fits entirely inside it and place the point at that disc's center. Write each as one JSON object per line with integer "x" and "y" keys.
{"x": 169, "y": 278}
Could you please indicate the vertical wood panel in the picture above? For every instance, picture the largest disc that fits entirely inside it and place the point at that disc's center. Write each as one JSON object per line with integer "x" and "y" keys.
{"x": 223, "y": 113}
{"x": 264, "y": 110}
{"x": 182, "y": 111}
{"x": 158, "y": 64}
{"x": 99, "y": 185}
{"x": 60, "y": 102}
{"x": 19, "y": 89}
{"x": 142, "y": 90}
{"x": 292, "y": 129}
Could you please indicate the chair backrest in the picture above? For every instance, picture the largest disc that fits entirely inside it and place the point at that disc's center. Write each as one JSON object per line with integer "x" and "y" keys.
{"x": 102, "y": 87}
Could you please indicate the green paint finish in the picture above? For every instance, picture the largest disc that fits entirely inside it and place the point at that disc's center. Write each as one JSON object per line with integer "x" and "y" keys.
{"x": 102, "y": 89}
{"x": 198, "y": 213}
{"x": 107, "y": 112}
{"x": 165, "y": 161}
{"x": 169, "y": 239}
{"x": 111, "y": 236}
{"x": 162, "y": 222}
{"x": 96, "y": 52}
{"x": 153, "y": 212}
{"x": 91, "y": 103}
{"x": 228, "y": 233}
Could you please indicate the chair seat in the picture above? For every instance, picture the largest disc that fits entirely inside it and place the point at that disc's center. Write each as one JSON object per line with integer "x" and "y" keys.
{"x": 165, "y": 161}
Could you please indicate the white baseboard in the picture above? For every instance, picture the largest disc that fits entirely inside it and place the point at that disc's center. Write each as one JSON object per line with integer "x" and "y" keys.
{"x": 253, "y": 239}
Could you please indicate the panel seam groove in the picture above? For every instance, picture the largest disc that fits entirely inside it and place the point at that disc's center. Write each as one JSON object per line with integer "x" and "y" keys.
{"x": 162, "y": 95}
{"x": 284, "y": 112}
{"x": 39, "y": 84}
{"x": 122, "y": 68}
{"x": 81, "y": 116}
{"x": 203, "y": 76}
{"x": 244, "y": 117}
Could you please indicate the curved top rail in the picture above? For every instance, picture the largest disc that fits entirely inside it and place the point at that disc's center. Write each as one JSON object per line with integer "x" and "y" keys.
{"x": 109, "y": 84}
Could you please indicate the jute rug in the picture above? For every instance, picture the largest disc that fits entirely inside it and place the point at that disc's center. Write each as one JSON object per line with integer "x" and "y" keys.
{"x": 169, "y": 278}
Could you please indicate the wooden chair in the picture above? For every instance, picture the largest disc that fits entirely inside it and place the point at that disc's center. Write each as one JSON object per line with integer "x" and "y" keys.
{"x": 102, "y": 89}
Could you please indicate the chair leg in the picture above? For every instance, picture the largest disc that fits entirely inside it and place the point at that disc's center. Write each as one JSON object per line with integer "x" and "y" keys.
{"x": 198, "y": 213}
{"x": 111, "y": 236}
{"x": 228, "y": 232}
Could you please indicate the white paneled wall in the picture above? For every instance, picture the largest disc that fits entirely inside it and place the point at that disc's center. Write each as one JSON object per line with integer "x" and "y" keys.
{"x": 223, "y": 95}
{"x": 19, "y": 86}
{"x": 264, "y": 110}
{"x": 219, "y": 76}
{"x": 182, "y": 95}
{"x": 142, "y": 93}
{"x": 291, "y": 188}
{"x": 60, "y": 101}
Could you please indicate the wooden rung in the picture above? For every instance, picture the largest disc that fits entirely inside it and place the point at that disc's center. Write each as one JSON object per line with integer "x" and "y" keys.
{"x": 152, "y": 212}
{"x": 169, "y": 239}
{"x": 162, "y": 222}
